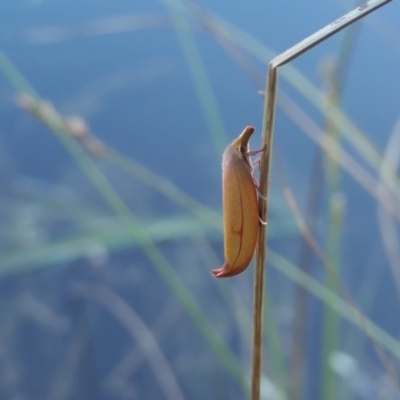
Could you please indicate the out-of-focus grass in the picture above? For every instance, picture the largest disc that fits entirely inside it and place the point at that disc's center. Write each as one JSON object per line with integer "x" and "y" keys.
{"x": 341, "y": 128}
{"x": 137, "y": 234}
{"x": 335, "y": 74}
{"x": 121, "y": 229}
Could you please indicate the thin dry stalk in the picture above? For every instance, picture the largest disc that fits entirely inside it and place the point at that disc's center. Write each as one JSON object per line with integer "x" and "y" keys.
{"x": 261, "y": 247}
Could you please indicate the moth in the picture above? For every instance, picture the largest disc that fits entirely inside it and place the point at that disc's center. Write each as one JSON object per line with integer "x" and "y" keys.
{"x": 240, "y": 206}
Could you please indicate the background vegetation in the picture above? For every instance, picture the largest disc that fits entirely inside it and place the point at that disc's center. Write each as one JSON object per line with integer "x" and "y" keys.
{"x": 113, "y": 119}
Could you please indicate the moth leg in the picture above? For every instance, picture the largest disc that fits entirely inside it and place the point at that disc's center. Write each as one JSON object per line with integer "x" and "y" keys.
{"x": 257, "y": 164}
{"x": 262, "y": 196}
{"x": 262, "y": 222}
{"x": 254, "y": 152}
{"x": 257, "y": 185}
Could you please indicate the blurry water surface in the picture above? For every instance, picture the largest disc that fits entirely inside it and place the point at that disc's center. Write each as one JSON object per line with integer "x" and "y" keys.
{"x": 171, "y": 101}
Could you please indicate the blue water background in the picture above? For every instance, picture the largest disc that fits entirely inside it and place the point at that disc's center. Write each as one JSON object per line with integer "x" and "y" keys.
{"x": 136, "y": 92}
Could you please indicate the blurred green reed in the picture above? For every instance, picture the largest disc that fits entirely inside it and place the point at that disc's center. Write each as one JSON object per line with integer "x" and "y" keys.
{"x": 138, "y": 234}
{"x": 122, "y": 230}
{"x": 335, "y": 73}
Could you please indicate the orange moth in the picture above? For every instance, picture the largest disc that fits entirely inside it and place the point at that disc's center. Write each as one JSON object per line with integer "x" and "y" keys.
{"x": 240, "y": 206}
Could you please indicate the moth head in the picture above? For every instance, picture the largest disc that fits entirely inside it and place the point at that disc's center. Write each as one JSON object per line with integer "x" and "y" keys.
{"x": 241, "y": 144}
